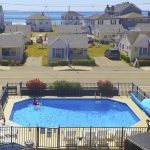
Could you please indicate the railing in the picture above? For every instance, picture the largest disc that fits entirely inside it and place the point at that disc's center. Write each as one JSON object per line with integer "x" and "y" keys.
{"x": 68, "y": 137}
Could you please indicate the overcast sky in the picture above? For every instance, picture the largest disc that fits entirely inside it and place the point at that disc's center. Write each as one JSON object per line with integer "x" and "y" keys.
{"x": 62, "y": 5}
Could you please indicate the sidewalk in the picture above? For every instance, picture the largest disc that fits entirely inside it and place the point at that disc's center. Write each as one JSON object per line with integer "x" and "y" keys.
{"x": 145, "y": 68}
{"x": 4, "y": 68}
{"x": 72, "y": 68}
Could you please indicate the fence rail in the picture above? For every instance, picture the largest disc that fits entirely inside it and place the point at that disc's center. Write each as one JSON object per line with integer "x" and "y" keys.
{"x": 68, "y": 137}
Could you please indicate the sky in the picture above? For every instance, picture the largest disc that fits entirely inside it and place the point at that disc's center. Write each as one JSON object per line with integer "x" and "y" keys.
{"x": 63, "y": 5}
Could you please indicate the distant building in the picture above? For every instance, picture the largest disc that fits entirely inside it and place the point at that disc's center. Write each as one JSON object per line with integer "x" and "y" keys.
{"x": 1, "y": 19}
{"x": 25, "y": 29}
{"x": 12, "y": 46}
{"x": 122, "y": 9}
{"x": 72, "y": 18}
{"x": 135, "y": 44}
{"x": 101, "y": 20}
{"x": 142, "y": 27}
{"x": 71, "y": 29}
{"x": 67, "y": 46}
{"x": 130, "y": 20}
{"x": 108, "y": 33}
{"x": 39, "y": 23}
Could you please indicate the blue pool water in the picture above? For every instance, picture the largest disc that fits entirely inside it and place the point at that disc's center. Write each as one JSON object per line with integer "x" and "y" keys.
{"x": 73, "y": 113}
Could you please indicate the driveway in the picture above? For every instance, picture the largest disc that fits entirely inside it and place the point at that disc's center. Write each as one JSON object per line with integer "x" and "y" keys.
{"x": 112, "y": 65}
{"x": 34, "y": 61}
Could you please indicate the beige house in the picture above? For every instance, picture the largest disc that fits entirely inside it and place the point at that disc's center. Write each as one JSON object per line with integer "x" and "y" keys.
{"x": 12, "y": 46}
{"x": 67, "y": 47}
{"x": 25, "y": 29}
{"x": 108, "y": 32}
{"x": 39, "y": 23}
{"x": 136, "y": 45}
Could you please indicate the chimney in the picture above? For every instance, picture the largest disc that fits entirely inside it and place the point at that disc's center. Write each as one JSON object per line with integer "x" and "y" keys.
{"x": 108, "y": 7}
{"x": 113, "y": 7}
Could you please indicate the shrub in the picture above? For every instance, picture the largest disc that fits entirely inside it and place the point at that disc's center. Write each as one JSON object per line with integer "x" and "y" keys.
{"x": 125, "y": 57}
{"x": 84, "y": 62}
{"x": 143, "y": 62}
{"x": 63, "y": 63}
{"x": 35, "y": 86}
{"x": 53, "y": 63}
{"x": 4, "y": 62}
{"x": 66, "y": 88}
{"x": 105, "y": 87}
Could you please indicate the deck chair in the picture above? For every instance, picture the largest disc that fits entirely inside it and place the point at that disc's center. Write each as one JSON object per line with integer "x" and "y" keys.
{"x": 119, "y": 137}
{"x": 89, "y": 138}
{"x": 70, "y": 138}
{"x": 102, "y": 138}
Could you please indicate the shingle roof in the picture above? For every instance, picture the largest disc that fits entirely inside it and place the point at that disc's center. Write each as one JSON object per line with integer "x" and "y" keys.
{"x": 110, "y": 28}
{"x": 145, "y": 27}
{"x": 132, "y": 35}
{"x": 38, "y": 17}
{"x": 15, "y": 28}
{"x": 10, "y": 40}
{"x": 131, "y": 15}
{"x": 70, "y": 29}
{"x": 71, "y": 13}
{"x": 120, "y": 7}
{"x": 100, "y": 16}
{"x": 74, "y": 40}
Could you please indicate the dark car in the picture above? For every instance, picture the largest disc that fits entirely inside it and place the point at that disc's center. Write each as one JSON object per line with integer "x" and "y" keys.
{"x": 90, "y": 40}
{"x": 138, "y": 142}
{"x": 112, "y": 53}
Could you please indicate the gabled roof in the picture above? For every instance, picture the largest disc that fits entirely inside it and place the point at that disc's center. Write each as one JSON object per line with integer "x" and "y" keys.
{"x": 120, "y": 7}
{"x": 132, "y": 15}
{"x": 100, "y": 16}
{"x": 38, "y": 17}
{"x": 71, "y": 13}
{"x": 15, "y": 28}
{"x": 145, "y": 27}
{"x": 132, "y": 36}
{"x": 70, "y": 29}
{"x": 73, "y": 40}
{"x": 110, "y": 28}
{"x": 11, "y": 40}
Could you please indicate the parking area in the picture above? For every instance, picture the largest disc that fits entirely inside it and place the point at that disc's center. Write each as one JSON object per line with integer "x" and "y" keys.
{"x": 114, "y": 65}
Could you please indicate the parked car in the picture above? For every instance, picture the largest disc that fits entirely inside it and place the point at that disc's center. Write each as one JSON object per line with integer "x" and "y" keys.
{"x": 112, "y": 53}
{"x": 39, "y": 39}
{"x": 104, "y": 42}
{"x": 138, "y": 142}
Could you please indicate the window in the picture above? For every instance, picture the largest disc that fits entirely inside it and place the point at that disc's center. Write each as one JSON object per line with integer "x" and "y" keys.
{"x": 113, "y": 21}
{"x": 144, "y": 51}
{"x": 5, "y": 52}
{"x": 8, "y": 52}
{"x": 58, "y": 53}
{"x": 101, "y": 21}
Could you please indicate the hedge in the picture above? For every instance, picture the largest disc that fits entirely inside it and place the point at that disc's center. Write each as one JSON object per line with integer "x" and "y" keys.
{"x": 143, "y": 62}
{"x": 125, "y": 57}
{"x": 4, "y": 62}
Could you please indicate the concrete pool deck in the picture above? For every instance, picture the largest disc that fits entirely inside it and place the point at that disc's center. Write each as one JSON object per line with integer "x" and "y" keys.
{"x": 142, "y": 116}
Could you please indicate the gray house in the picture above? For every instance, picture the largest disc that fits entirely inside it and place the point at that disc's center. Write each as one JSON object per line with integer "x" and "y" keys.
{"x": 72, "y": 18}
{"x": 71, "y": 29}
{"x": 1, "y": 19}
{"x": 67, "y": 46}
{"x": 25, "y": 29}
{"x": 100, "y": 19}
{"x": 39, "y": 23}
{"x": 130, "y": 20}
{"x": 122, "y": 9}
{"x": 135, "y": 45}
{"x": 12, "y": 46}
{"x": 142, "y": 27}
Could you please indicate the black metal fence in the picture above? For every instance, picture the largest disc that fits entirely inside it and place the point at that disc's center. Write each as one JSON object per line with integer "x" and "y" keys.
{"x": 67, "y": 137}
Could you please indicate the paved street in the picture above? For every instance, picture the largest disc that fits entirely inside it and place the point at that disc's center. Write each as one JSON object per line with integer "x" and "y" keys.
{"x": 116, "y": 72}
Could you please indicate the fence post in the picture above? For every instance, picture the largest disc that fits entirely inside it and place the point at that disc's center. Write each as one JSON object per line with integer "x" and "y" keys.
{"x": 20, "y": 87}
{"x": 90, "y": 136}
{"x": 11, "y": 133}
{"x": 37, "y": 137}
{"x": 122, "y": 138}
{"x": 118, "y": 88}
{"x": 58, "y": 138}
{"x": 132, "y": 87}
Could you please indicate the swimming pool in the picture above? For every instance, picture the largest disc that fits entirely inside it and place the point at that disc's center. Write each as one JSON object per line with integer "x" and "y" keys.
{"x": 67, "y": 112}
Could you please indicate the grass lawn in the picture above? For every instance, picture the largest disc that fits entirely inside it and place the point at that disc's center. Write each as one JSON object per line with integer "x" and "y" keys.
{"x": 95, "y": 52}
{"x": 35, "y": 51}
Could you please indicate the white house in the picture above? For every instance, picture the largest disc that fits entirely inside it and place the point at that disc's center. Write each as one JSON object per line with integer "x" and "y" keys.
{"x": 67, "y": 46}
{"x": 25, "y": 29}
{"x": 135, "y": 45}
{"x": 1, "y": 19}
{"x": 39, "y": 23}
{"x": 108, "y": 32}
{"x": 100, "y": 19}
{"x": 12, "y": 46}
{"x": 72, "y": 18}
